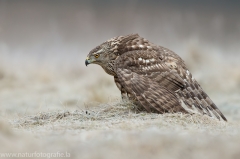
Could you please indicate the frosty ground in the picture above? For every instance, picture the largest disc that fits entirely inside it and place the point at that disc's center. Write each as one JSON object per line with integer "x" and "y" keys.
{"x": 114, "y": 130}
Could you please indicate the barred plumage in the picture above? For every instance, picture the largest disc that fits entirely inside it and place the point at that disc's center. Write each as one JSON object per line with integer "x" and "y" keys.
{"x": 154, "y": 77}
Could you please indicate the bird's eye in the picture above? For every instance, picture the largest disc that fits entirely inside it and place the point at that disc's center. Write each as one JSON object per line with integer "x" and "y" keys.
{"x": 96, "y": 55}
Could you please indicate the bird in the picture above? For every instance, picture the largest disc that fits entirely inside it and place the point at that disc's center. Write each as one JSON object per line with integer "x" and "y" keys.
{"x": 155, "y": 78}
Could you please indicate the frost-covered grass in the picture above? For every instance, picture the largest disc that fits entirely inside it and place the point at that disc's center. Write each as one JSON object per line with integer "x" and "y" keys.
{"x": 115, "y": 130}
{"x": 116, "y": 115}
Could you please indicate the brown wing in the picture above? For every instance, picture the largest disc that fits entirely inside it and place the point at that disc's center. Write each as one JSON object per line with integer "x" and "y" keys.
{"x": 159, "y": 78}
{"x": 192, "y": 95}
{"x": 151, "y": 95}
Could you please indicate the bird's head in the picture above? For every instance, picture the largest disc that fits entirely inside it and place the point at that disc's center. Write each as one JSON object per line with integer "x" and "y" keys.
{"x": 109, "y": 50}
{"x": 100, "y": 54}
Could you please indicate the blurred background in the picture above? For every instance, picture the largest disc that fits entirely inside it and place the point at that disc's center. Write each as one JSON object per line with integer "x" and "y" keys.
{"x": 43, "y": 46}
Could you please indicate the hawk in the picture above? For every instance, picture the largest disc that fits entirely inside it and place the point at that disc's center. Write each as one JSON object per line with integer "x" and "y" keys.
{"x": 155, "y": 78}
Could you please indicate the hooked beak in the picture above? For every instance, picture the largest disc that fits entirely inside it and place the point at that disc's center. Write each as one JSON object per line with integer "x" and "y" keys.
{"x": 87, "y": 61}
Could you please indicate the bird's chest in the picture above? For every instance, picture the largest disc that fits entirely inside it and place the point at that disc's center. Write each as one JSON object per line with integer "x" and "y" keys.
{"x": 109, "y": 69}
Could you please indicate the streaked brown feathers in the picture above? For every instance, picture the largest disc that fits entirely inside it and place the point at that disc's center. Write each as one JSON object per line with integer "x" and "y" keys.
{"x": 155, "y": 78}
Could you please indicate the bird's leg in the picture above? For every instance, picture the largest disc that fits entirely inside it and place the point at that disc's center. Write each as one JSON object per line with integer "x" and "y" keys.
{"x": 123, "y": 91}
{"x": 124, "y": 96}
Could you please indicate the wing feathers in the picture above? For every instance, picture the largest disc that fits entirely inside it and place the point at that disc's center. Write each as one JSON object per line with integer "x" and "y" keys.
{"x": 152, "y": 96}
{"x": 161, "y": 82}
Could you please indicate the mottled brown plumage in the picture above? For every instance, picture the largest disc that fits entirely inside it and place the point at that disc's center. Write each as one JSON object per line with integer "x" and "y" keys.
{"x": 154, "y": 77}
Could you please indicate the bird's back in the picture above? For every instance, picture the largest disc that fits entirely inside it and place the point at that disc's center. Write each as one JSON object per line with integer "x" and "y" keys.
{"x": 172, "y": 74}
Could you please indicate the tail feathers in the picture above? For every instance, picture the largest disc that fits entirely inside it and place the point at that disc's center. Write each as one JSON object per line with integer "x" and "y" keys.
{"x": 197, "y": 101}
